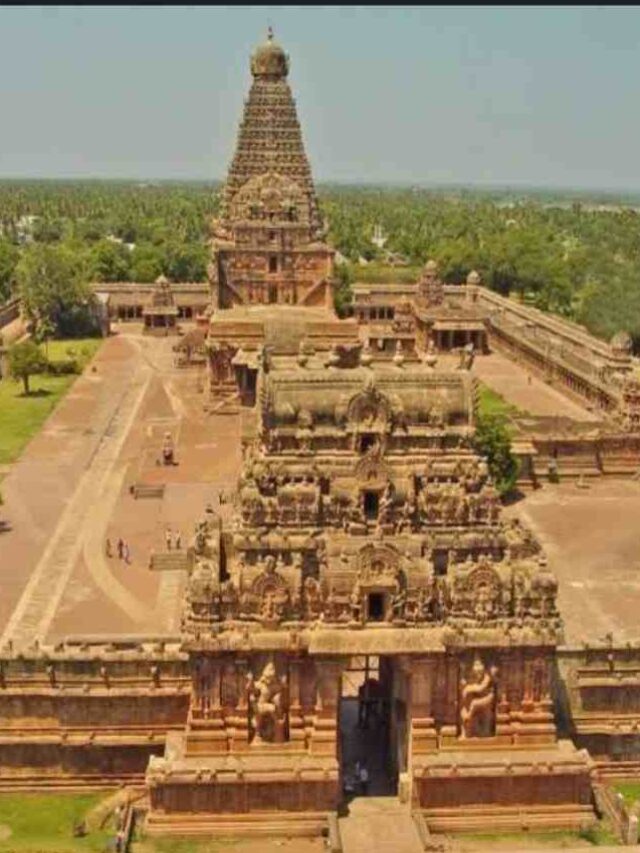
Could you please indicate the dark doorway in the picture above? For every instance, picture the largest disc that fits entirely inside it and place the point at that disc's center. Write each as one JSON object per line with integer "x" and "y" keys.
{"x": 440, "y": 562}
{"x": 371, "y": 505}
{"x": 375, "y": 606}
{"x": 365, "y": 727}
{"x": 273, "y": 294}
{"x": 367, "y": 440}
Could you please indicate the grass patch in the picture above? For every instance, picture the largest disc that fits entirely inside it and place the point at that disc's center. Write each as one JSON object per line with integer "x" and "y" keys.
{"x": 629, "y": 790}
{"x": 375, "y": 273}
{"x": 39, "y": 823}
{"x": 492, "y": 403}
{"x": 188, "y": 845}
{"x": 600, "y": 835}
{"x": 21, "y": 417}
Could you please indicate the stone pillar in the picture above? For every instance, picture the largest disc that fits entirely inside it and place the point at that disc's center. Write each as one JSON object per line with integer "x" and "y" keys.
{"x": 296, "y": 722}
{"x": 423, "y": 736}
{"x": 324, "y": 740}
{"x": 239, "y": 721}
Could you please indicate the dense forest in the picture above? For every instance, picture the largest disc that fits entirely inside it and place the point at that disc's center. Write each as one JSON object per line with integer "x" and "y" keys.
{"x": 572, "y": 254}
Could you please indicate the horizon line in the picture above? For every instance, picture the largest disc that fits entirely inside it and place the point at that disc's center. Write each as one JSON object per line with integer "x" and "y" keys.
{"x": 471, "y": 185}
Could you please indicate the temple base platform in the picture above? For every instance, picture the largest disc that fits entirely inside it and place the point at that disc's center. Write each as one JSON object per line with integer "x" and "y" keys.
{"x": 263, "y": 790}
{"x": 471, "y": 788}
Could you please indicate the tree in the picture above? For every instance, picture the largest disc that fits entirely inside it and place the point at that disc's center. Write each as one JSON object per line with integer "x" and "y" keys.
{"x": 110, "y": 261}
{"x": 53, "y": 284}
{"x": 25, "y": 359}
{"x": 9, "y": 257}
{"x": 342, "y": 294}
{"x": 146, "y": 262}
{"x": 493, "y": 440}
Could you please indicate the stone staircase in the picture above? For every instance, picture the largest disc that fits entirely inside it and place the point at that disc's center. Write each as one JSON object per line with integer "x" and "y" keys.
{"x": 383, "y": 824}
{"x": 148, "y": 490}
{"x": 169, "y": 561}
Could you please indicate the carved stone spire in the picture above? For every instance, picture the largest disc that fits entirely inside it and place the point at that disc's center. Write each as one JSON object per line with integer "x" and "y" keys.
{"x": 269, "y": 137}
{"x": 269, "y": 245}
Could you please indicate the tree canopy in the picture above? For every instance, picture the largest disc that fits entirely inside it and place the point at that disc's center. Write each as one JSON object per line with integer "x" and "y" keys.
{"x": 25, "y": 359}
{"x": 574, "y": 254}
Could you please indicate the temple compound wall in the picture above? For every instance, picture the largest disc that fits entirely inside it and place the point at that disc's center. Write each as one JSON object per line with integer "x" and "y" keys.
{"x": 127, "y": 300}
{"x": 87, "y": 714}
{"x": 428, "y": 317}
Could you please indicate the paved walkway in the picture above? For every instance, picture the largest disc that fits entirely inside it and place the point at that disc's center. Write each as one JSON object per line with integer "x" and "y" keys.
{"x": 40, "y": 599}
{"x": 526, "y": 391}
{"x": 70, "y": 491}
{"x": 380, "y": 824}
{"x": 592, "y": 540}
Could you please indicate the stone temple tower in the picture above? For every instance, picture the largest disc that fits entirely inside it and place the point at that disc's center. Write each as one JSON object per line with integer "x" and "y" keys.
{"x": 268, "y": 243}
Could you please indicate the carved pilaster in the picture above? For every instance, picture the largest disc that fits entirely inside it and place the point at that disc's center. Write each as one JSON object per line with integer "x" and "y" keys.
{"x": 423, "y": 732}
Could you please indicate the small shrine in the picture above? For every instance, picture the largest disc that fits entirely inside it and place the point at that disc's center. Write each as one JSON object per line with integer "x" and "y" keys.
{"x": 160, "y": 316}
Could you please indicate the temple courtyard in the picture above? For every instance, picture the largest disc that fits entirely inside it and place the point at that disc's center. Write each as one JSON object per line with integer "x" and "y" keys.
{"x": 71, "y": 490}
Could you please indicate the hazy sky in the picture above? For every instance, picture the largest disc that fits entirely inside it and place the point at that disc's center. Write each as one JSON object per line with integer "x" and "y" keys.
{"x": 519, "y": 95}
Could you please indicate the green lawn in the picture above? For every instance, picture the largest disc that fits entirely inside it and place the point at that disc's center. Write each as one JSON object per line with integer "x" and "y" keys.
{"x": 492, "y": 403}
{"x": 600, "y": 835}
{"x": 21, "y": 417}
{"x": 43, "y": 823}
{"x": 629, "y": 790}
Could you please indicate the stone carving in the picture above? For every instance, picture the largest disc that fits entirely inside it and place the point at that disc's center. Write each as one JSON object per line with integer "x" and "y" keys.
{"x": 268, "y": 704}
{"x": 478, "y": 701}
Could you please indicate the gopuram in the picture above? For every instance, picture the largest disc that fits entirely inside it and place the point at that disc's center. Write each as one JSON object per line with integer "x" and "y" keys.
{"x": 368, "y": 534}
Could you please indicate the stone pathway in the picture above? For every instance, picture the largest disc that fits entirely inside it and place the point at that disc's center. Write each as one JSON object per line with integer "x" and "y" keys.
{"x": 36, "y": 608}
{"x": 526, "y": 391}
{"x": 382, "y": 824}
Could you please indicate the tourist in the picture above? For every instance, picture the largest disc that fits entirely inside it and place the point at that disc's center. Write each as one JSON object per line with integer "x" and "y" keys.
{"x": 364, "y": 779}
{"x": 167, "y": 538}
{"x": 107, "y": 548}
{"x": 120, "y": 548}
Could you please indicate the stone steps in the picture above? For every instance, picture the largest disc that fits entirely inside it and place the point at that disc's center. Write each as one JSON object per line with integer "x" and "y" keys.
{"x": 383, "y": 824}
{"x": 148, "y": 490}
{"x": 169, "y": 561}
{"x": 309, "y": 824}
{"x": 73, "y": 784}
{"x": 476, "y": 818}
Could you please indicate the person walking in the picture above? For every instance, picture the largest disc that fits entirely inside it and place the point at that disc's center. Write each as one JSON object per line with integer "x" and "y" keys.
{"x": 167, "y": 538}
{"x": 107, "y": 548}
{"x": 364, "y": 779}
{"x": 120, "y": 548}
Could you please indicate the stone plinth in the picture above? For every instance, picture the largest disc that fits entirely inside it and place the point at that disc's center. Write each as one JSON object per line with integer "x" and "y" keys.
{"x": 266, "y": 789}
{"x": 471, "y": 787}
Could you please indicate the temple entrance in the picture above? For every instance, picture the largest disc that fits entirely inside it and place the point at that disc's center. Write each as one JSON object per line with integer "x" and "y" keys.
{"x": 371, "y": 501}
{"x": 370, "y": 737}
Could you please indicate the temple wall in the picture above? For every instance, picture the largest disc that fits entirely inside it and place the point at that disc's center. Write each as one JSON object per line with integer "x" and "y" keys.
{"x": 92, "y": 719}
{"x": 597, "y": 696}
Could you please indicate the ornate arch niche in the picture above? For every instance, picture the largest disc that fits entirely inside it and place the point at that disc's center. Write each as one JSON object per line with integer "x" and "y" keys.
{"x": 369, "y": 419}
{"x": 380, "y": 579}
{"x": 270, "y": 199}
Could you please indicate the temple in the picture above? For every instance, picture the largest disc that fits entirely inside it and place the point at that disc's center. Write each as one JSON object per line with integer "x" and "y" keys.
{"x": 362, "y": 597}
{"x": 367, "y": 548}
